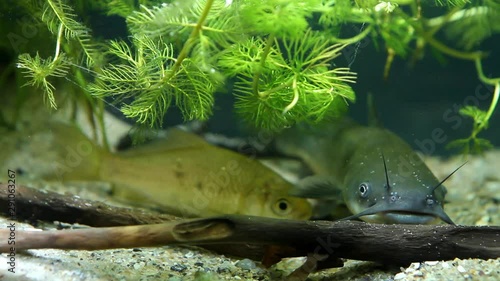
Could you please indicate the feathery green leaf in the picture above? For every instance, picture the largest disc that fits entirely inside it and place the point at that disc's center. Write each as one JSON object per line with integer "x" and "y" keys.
{"x": 295, "y": 82}
{"x": 147, "y": 77}
{"x": 57, "y": 13}
{"x": 451, "y": 3}
{"x": 38, "y": 71}
{"x": 282, "y": 18}
{"x": 472, "y": 25}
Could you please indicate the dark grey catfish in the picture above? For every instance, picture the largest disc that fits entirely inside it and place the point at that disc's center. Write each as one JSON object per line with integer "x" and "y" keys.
{"x": 378, "y": 175}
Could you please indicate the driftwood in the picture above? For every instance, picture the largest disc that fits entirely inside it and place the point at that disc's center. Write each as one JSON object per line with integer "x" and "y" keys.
{"x": 32, "y": 205}
{"x": 391, "y": 244}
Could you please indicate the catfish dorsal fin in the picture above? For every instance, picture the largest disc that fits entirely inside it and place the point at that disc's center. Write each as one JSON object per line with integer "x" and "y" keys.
{"x": 178, "y": 138}
{"x": 373, "y": 117}
{"x": 316, "y": 186}
{"x": 175, "y": 139}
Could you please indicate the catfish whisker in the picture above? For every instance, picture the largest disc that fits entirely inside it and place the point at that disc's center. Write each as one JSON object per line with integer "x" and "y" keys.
{"x": 447, "y": 177}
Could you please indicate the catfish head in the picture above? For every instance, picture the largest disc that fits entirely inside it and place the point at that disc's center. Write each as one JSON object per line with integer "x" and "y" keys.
{"x": 397, "y": 188}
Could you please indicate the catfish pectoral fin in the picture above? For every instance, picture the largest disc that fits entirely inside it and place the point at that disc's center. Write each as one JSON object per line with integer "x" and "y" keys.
{"x": 329, "y": 209}
{"x": 325, "y": 190}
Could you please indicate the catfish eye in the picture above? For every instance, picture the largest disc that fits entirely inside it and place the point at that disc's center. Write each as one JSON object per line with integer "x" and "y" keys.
{"x": 282, "y": 207}
{"x": 364, "y": 189}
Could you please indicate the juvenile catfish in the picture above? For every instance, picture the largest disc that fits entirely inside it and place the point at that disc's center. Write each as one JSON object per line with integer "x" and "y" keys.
{"x": 372, "y": 171}
{"x": 182, "y": 174}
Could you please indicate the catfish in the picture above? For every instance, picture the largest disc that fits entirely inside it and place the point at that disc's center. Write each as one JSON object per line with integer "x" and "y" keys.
{"x": 371, "y": 170}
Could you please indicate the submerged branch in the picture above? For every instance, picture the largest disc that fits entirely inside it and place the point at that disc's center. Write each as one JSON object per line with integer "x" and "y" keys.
{"x": 32, "y": 205}
{"x": 391, "y": 244}
{"x": 343, "y": 239}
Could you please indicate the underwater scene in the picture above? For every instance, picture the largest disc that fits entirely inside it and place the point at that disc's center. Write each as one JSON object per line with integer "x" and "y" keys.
{"x": 249, "y": 140}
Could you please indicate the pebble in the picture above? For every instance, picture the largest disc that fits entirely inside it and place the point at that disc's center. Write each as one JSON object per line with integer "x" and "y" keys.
{"x": 492, "y": 188}
{"x": 484, "y": 220}
{"x": 205, "y": 276}
{"x": 225, "y": 266}
{"x": 400, "y": 276}
{"x": 189, "y": 255}
{"x": 431, "y": 263}
{"x": 461, "y": 269}
{"x": 178, "y": 267}
{"x": 418, "y": 273}
{"x": 415, "y": 265}
{"x": 445, "y": 265}
{"x": 246, "y": 264}
{"x": 139, "y": 265}
{"x": 150, "y": 271}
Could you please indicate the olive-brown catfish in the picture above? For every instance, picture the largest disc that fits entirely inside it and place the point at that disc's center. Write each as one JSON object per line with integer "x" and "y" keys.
{"x": 378, "y": 175}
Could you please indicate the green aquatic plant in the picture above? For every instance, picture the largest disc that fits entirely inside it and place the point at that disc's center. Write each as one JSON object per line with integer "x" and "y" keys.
{"x": 219, "y": 42}
{"x": 287, "y": 80}
{"x": 279, "y": 54}
{"x": 180, "y": 53}
{"x": 38, "y": 71}
{"x": 481, "y": 118}
{"x": 155, "y": 73}
{"x": 60, "y": 20}
{"x": 74, "y": 52}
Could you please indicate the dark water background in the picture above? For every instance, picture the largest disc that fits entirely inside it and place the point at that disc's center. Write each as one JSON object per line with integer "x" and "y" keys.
{"x": 420, "y": 103}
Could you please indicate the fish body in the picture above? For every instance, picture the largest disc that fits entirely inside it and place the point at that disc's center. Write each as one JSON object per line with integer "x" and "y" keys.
{"x": 377, "y": 175}
{"x": 213, "y": 180}
{"x": 182, "y": 175}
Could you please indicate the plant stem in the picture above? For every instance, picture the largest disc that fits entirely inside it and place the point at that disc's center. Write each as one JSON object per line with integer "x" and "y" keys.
{"x": 496, "y": 93}
{"x": 428, "y": 36}
{"x": 100, "y": 119}
{"x": 256, "y": 76}
{"x": 458, "y": 15}
{"x": 437, "y": 25}
{"x": 492, "y": 107}
{"x": 451, "y": 52}
{"x": 58, "y": 43}
{"x": 190, "y": 41}
{"x": 482, "y": 77}
{"x": 354, "y": 39}
{"x": 295, "y": 96}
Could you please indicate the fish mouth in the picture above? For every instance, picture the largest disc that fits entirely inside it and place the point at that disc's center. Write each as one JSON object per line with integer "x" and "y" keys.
{"x": 401, "y": 217}
{"x": 381, "y": 214}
